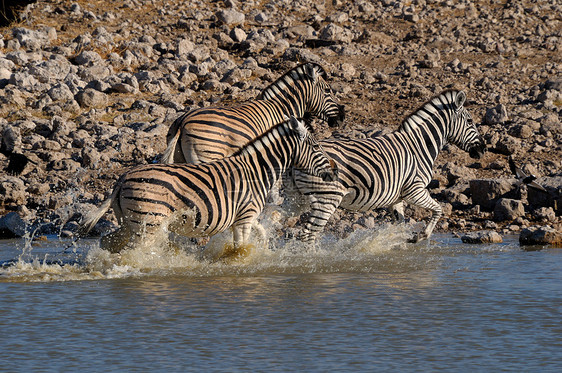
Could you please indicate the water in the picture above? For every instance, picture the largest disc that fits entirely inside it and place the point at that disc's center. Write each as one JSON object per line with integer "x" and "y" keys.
{"x": 367, "y": 303}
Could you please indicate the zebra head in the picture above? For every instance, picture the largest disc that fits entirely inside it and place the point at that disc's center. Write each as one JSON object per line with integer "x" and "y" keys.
{"x": 311, "y": 157}
{"x": 323, "y": 103}
{"x": 304, "y": 93}
{"x": 463, "y": 132}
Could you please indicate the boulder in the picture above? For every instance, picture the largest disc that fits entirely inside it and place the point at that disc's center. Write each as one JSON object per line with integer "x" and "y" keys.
{"x": 508, "y": 209}
{"x": 482, "y": 237}
{"x": 486, "y": 192}
{"x": 541, "y": 236}
{"x": 551, "y": 198}
{"x": 12, "y": 226}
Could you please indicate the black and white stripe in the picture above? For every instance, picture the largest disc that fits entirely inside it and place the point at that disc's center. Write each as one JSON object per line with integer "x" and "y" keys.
{"x": 384, "y": 171}
{"x": 197, "y": 200}
{"x": 211, "y": 133}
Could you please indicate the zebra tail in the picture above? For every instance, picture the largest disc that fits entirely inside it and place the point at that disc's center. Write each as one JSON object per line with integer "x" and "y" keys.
{"x": 89, "y": 222}
{"x": 168, "y": 156}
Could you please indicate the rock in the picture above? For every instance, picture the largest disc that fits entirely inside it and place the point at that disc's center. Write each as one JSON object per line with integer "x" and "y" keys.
{"x": 230, "y": 17}
{"x": 60, "y": 92}
{"x": 91, "y": 98}
{"x": 12, "y": 191}
{"x": 336, "y": 33}
{"x": 486, "y": 192}
{"x": 12, "y": 226}
{"x": 508, "y": 145}
{"x": 546, "y": 214}
{"x": 482, "y": 237}
{"x": 551, "y": 198}
{"x": 496, "y": 115}
{"x": 508, "y": 209}
{"x": 541, "y": 236}
{"x": 88, "y": 58}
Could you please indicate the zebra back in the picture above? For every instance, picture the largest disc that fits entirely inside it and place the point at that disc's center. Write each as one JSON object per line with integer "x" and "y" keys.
{"x": 212, "y": 133}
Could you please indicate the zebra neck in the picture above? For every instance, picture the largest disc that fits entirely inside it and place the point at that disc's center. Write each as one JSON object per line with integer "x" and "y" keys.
{"x": 289, "y": 97}
{"x": 425, "y": 138}
{"x": 269, "y": 156}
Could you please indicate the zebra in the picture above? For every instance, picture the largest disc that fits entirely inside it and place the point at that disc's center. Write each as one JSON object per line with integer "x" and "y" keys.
{"x": 211, "y": 133}
{"x": 199, "y": 200}
{"x": 388, "y": 170}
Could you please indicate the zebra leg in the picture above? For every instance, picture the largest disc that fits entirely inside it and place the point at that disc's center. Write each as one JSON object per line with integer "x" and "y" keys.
{"x": 239, "y": 247}
{"x": 397, "y": 212}
{"x": 321, "y": 211}
{"x": 421, "y": 197}
{"x": 117, "y": 240}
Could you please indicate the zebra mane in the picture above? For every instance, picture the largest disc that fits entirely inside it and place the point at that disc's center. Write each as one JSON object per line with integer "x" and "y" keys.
{"x": 406, "y": 123}
{"x": 288, "y": 74}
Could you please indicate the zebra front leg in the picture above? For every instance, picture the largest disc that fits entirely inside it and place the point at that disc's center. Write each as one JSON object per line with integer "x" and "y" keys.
{"x": 240, "y": 246}
{"x": 421, "y": 197}
{"x": 321, "y": 211}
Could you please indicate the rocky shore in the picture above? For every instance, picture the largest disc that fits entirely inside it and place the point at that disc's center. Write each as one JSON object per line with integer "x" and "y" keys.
{"x": 88, "y": 89}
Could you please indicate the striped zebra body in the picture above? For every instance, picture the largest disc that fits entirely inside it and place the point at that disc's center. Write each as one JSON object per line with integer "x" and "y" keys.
{"x": 211, "y": 133}
{"x": 384, "y": 171}
{"x": 197, "y": 200}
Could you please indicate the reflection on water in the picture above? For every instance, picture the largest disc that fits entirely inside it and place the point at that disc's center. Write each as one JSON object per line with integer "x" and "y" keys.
{"x": 366, "y": 303}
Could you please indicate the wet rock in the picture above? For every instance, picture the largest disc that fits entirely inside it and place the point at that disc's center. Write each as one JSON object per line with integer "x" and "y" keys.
{"x": 482, "y": 237}
{"x": 545, "y": 235}
{"x": 12, "y": 226}
{"x": 508, "y": 209}
{"x": 486, "y": 192}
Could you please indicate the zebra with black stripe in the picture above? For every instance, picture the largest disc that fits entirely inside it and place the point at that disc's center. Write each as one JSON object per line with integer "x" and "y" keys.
{"x": 388, "y": 170}
{"x": 211, "y": 133}
{"x": 198, "y": 200}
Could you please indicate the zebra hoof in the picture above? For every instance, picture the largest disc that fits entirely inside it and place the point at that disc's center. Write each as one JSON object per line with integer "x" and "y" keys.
{"x": 417, "y": 237}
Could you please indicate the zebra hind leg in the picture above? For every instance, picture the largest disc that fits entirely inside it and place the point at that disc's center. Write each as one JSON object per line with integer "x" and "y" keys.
{"x": 423, "y": 199}
{"x": 117, "y": 240}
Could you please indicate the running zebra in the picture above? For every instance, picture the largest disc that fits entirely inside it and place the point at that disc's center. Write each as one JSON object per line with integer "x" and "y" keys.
{"x": 211, "y": 133}
{"x": 197, "y": 200}
{"x": 384, "y": 171}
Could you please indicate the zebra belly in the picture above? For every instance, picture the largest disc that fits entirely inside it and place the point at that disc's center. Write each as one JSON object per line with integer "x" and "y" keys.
{"x": 352, "y": 203}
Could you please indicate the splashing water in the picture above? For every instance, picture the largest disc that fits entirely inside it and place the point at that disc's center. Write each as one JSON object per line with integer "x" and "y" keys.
{"x": 361, "y": 251}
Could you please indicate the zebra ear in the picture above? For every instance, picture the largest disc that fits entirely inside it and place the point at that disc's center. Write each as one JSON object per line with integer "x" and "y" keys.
{"x": 460, "y": 99}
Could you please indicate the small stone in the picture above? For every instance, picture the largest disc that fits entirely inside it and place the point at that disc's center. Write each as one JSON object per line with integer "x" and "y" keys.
{"x": 230, "y": 16}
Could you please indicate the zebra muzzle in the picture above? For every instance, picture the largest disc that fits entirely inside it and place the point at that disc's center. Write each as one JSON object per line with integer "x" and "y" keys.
{"x": 330, "y": 174}
{"x": 477, "y": 150}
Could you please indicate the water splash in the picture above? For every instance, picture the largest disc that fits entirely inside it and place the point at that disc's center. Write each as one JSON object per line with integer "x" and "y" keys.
{"x": 362, "y": 251}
